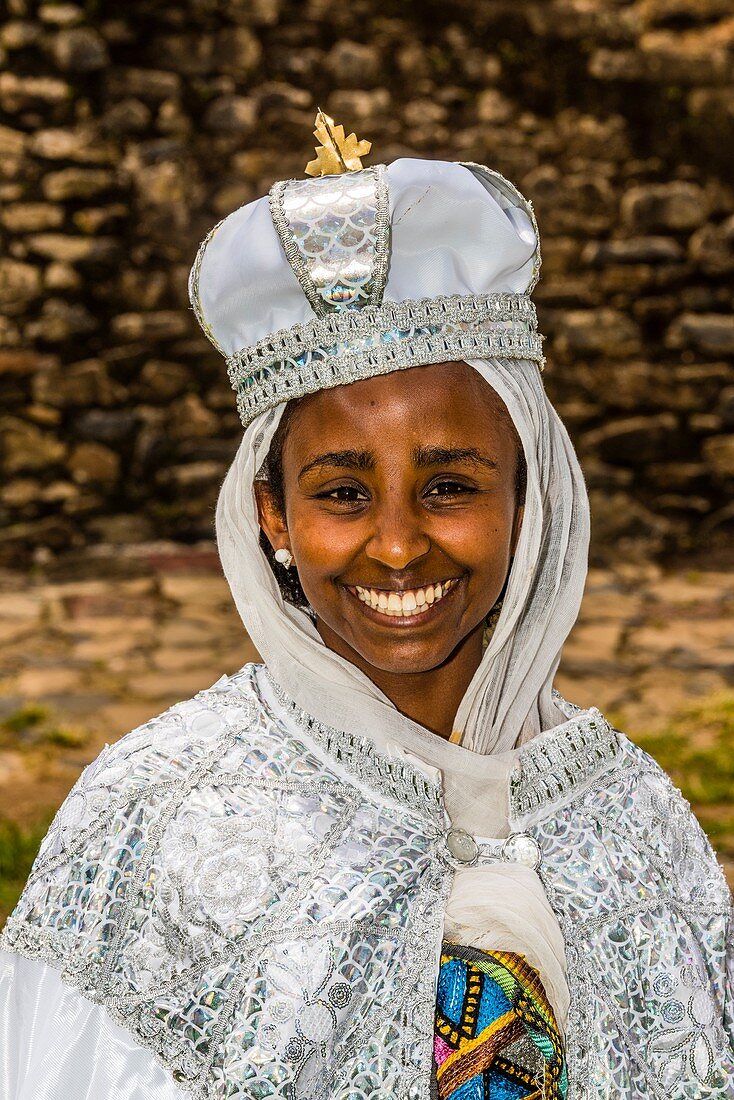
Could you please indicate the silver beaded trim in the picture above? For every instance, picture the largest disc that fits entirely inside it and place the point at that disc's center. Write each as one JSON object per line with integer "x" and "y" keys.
{"x": 392, "y": 778}
{"x": 551, "y": 765}
{"x": 351, "y": 345}
{"x": 548, "y": 769}
{"x": 382, "y": 235}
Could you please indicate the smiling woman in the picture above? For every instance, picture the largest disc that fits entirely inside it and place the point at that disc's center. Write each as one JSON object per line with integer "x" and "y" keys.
{"x": 389, "y": 861}
{"x": 402, "y": 518}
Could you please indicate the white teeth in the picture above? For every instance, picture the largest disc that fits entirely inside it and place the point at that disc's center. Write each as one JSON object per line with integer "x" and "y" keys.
{"x": 404, "y": 604}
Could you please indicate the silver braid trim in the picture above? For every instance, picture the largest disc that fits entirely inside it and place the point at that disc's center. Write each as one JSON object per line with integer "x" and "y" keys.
{"x": 194, "y": 288}
{"x": 354, "y": 344}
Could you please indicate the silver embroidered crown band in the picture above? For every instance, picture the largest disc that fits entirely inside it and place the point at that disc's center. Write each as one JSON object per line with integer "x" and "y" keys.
{"x": 352, "y": 345}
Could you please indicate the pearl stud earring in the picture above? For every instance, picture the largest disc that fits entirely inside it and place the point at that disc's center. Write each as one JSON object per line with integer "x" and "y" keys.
{"x": 284, "y": 557}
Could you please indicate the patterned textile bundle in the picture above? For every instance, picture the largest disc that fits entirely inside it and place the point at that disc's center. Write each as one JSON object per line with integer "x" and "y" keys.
{"x": 495, "y": 1034}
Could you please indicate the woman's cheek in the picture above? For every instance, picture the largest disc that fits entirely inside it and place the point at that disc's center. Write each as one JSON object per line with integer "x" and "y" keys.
{"x": 324, "y": 540}
{"x": 476, "y": 538}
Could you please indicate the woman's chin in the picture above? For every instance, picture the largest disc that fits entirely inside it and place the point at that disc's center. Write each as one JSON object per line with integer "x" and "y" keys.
{"x": 405, "y": 665}
{"x": 406, "y": 656}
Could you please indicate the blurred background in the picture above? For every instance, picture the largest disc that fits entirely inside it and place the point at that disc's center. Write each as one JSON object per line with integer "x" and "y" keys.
{"x": 127, "y": 131}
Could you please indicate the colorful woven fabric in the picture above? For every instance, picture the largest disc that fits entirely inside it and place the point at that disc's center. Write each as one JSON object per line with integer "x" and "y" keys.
{"x": 495, "y": 1035}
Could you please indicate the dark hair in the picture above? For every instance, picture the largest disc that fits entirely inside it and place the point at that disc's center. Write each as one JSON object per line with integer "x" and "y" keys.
{"x": 290, "y": 585}
{"x": 288, "y": 580}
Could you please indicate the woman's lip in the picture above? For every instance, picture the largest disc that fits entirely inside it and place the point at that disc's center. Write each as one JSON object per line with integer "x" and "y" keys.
{"x": 403, "y": 620}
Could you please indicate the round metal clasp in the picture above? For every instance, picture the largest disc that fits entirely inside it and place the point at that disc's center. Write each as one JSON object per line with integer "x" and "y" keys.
{"x": 522, "y": 848}
{"x": 462, "y": 846}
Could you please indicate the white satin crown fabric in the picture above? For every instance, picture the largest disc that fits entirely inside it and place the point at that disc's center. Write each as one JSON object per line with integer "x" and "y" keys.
{"x": 454, "y": 230}
{"x": 344, "y": 277}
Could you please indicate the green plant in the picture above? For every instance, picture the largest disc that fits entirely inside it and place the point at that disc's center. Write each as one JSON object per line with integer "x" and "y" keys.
{"x": 27, "y": 717}
{"x": 18, "y": 847}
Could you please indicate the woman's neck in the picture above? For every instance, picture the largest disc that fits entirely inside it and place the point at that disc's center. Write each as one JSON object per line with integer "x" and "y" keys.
{"x": 430, "y": 698}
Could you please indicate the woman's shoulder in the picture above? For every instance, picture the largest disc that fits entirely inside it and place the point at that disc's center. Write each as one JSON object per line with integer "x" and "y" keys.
{"x": 111, "y": 816}
{"x": 625, "y": 808}
{"x": 176, "y": 739}
{"x": 162, "y": 752}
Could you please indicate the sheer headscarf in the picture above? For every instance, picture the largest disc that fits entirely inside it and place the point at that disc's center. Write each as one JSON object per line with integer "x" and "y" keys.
{"x": 510, "y": 697}
{"x": 508, "y": 700}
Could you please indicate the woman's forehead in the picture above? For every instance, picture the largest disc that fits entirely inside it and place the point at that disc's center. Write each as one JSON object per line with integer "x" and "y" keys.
{"x": 440, "y": 401}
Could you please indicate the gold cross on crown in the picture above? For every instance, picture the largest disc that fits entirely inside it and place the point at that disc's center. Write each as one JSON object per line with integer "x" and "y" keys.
{"x": 336, "y": 154}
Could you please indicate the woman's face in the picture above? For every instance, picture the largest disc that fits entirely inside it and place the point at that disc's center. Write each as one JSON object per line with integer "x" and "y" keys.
{"x": 401, "y": 513}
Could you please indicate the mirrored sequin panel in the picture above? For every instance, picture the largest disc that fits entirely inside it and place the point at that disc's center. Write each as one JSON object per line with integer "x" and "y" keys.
{"x": 84, "y": 898}
{"x": 654, "y": 994}
{"x": 309, "y": 1006}
{"x": 373, "y": 871}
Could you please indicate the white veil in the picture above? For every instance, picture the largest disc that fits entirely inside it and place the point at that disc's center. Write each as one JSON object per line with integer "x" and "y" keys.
{"x": 509, "y": 698}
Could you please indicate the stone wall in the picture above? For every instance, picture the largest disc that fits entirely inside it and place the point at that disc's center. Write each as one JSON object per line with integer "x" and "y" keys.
{"x": 127, "y": 131}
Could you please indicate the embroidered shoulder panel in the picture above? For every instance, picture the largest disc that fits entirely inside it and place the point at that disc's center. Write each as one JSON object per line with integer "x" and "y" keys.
{"x": 645, "y": 912}
{"x": 256, "y": 921}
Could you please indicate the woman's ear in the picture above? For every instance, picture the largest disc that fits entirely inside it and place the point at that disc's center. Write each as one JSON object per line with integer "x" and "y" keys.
{"x": 269, "y": 515}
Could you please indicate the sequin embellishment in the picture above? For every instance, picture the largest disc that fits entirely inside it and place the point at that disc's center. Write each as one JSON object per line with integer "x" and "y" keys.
{"x": 351, "y": 344}
{"x": 335, "y": 234}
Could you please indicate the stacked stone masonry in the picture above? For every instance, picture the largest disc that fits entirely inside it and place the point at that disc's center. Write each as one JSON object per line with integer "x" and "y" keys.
{"x": 126, "y": 132}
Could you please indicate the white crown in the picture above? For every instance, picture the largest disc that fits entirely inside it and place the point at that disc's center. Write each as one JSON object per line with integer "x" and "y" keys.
{"x": 343, "y": 277}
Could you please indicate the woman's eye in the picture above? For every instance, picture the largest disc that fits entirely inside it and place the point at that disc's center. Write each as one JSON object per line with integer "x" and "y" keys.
{"x": 344, "y": 494}
{"x": 448, "y": 489}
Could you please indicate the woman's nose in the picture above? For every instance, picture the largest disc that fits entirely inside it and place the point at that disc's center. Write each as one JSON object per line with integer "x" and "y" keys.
{"x": 397, "y": 539}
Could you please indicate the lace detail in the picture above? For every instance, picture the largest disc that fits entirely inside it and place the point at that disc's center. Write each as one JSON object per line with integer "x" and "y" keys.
{"x": 335, "y": 234}
{"x": 350, "y": 345}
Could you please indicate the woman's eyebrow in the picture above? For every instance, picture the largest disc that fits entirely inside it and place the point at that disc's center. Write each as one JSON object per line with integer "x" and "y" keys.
{"x": 445, "y": 456}
{"x": 350, "y": 460}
